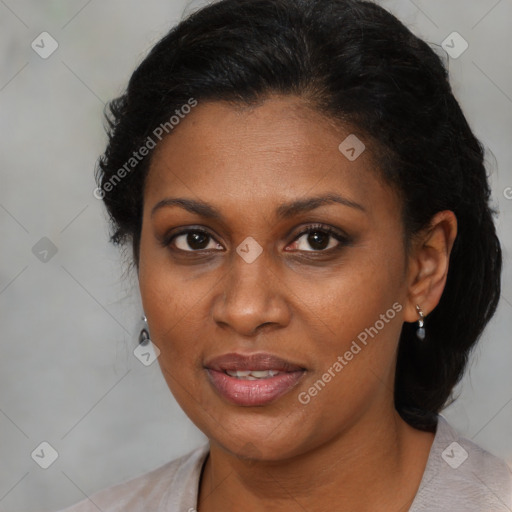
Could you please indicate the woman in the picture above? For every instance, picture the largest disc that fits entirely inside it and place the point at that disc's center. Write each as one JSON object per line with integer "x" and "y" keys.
{"x": 309, "y": 216}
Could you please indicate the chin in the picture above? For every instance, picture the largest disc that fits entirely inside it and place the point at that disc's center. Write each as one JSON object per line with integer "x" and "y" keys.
{"x": 270, "y": 438}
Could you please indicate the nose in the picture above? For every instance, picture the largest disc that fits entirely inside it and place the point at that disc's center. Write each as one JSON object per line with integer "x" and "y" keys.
{"x": 252, "y": 299}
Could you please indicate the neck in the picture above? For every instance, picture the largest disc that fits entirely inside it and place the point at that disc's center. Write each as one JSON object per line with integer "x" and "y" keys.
{"x": 376, "y": 464}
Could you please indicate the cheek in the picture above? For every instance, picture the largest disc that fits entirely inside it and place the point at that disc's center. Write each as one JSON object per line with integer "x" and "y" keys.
{"x": 174, "y": 312}
{"x": 356, "y": 296}
{"x": 164, "y": 303}
{"x": 357, "y": 323}
{"x": 354, "y": 322}
{"x": 173, "y": 308}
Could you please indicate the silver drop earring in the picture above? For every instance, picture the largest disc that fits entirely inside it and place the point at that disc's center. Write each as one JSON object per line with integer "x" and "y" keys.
{"x": 420, "y": 333}
{"x": 144, "y": 332}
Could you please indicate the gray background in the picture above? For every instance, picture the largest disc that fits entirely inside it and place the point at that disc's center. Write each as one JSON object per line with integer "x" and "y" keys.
{"x": 68, "y": 326}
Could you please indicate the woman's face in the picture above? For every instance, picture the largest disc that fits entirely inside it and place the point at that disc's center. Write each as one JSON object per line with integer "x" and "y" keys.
{"x": 229, "y": 269}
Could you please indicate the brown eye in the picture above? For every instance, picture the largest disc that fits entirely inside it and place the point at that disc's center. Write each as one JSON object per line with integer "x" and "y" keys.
{"x": 193, "y": 240}
{"x": 319, "y": 238}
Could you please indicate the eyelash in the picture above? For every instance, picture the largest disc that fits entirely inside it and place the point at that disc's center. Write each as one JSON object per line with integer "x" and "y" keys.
{"x": 341, "y": 238}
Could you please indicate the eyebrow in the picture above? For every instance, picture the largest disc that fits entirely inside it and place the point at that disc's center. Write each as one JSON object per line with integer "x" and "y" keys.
{"x": 284, "y": 211}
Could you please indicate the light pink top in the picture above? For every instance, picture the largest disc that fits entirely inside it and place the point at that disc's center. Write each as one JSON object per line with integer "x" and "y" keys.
{"x": 459, "y": 476}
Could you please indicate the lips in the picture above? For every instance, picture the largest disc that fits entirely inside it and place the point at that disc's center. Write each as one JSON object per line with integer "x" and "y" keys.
{"x": 252, "y": 380}
{"x": 258, "y": 362}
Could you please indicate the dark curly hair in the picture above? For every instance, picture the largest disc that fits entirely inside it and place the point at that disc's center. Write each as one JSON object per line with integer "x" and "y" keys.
{"x": 356, "y": 63}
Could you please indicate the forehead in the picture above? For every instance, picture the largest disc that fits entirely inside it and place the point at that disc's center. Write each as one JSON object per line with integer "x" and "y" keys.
{"x": 256, "y": 156}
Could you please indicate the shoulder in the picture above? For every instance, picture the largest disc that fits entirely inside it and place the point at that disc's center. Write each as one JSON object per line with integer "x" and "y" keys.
{"x": 461, "y": 475}
{"x": 173, "y": 486}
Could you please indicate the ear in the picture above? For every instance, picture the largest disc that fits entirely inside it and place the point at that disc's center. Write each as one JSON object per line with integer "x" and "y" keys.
{"x": 428, "y": 263}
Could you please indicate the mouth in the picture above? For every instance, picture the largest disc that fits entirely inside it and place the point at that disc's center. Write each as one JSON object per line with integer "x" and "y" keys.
{"x": 252, "y": 374}
{"x": 252, "y": 380}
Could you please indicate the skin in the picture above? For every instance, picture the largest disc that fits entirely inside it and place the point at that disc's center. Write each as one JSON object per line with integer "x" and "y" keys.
{"x": 347, "y": 449}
